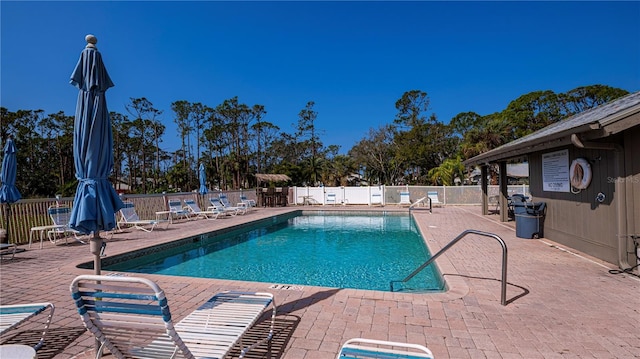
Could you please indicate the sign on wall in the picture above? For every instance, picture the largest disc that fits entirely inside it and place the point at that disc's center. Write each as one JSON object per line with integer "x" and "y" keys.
{"x": 555, "y": 171}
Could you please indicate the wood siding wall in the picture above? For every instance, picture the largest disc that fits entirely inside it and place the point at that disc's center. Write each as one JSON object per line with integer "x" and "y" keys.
{"x": 577, "y": 220}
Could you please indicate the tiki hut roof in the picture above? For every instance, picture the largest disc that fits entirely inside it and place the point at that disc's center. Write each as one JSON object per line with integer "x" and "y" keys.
{"x": 272, "y": 177}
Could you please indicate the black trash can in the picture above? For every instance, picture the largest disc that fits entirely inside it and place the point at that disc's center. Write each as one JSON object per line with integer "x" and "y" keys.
{"x": 530, "y": 222}
{"x": 516, "y": 204}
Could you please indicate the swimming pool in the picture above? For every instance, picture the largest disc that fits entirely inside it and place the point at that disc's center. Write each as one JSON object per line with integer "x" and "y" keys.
{"x": 342, "y": 250}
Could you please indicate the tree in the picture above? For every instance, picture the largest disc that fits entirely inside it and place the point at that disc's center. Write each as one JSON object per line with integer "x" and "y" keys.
{"x": 235, "y": 118}
{"x": 586, "y": 97}
{"x": 446, "y": 173}
{"x": 376, "y": 156}
{"x": 423, "y": 141}
{"x": 411, "y": 108}
{"x": 57, "y": 132}
{"x": 262, "y": 132}
{"x": 490, "y": 132}
{"x": 465, "y": 122}
{"x": 307, "y": 135}
{"x": 338, "y": 170}
{"x": 144, "y": 130}
{"x": 531, "y": 112}
{"x": 182, "y": 109}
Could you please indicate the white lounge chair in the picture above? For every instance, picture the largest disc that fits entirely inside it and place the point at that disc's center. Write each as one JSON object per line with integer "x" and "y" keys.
{"x": 11, "y": 316}
{"x": 216, "y": 205}
{"x": 359, "y": 348}
{"x": 131, "y": 318}
{"x": 176, "y": 209}
{"x": 241, "y": 208}
{"x": 61, "y": 215}
{"x": 196, "y": 211}
{"x": 376, "y": 199}
{"x": 405, "y": 199}
{"x": 434, "y": 198}
{"x": 129, "y": 217}
{"x": 8, "y": 248}
{"x": 249, "y": 202}
{"x": 331, "y": 199}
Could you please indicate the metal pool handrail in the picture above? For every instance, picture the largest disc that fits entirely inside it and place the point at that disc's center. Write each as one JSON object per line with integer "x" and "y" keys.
{"x": 454, "y": 241}
{"x": 420, "y": 201}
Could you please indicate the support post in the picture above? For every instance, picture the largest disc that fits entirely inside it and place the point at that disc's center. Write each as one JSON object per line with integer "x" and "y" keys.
{"x": 504, "y": 194}
{"x": 484, "y": 183}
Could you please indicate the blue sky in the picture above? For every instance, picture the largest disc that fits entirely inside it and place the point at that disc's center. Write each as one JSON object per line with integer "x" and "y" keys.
{"x": 353, "y": 59}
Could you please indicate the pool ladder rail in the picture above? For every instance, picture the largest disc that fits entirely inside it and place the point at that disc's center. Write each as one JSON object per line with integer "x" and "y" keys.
{"x": 419, "y": 203}
{"x": 503, "y": 293}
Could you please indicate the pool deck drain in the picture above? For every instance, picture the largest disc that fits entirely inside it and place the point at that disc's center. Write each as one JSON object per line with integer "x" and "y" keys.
{"x": 560, "y": 305}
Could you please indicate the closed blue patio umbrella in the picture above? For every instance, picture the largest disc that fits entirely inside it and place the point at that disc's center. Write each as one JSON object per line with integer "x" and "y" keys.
{"x": 8, "y": 191}
{"x": 203, "y": 180}
{"x": 96, "y": 201}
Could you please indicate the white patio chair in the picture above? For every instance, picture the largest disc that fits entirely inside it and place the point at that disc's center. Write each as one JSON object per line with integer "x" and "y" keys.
{"x": 11, "y": 316}
{"x": 241, "y": 208}
{"x": 177, "y": 210}
{"x": 435, "y": 201}
{"x": 359, "y": 348}
{"x": 196, "y": 211}
{"x": 216, "y": 205}
{"x": 129, "y": 217}
{"x": 61, "y": 215}
{"x": 376, "y": 199}
{"x": 130, "y": 317}
{"x": 8, "y": 248}
{"x": 405, "y": 199}
{"x": 249, "y": 202}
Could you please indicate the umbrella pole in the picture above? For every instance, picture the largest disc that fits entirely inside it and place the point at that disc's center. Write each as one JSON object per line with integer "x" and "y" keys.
{"x": 95, "y": 246}
{"x": 8, "y": 217}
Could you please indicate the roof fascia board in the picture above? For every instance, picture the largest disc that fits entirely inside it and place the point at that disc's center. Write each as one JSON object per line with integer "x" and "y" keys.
{"x": 613, "y": 127}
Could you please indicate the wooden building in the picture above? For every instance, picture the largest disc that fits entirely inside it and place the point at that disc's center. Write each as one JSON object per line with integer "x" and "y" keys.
{"x": 587, "y": 170}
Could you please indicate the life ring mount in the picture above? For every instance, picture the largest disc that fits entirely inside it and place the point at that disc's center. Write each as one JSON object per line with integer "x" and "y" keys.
{"x": 580, "y": 173}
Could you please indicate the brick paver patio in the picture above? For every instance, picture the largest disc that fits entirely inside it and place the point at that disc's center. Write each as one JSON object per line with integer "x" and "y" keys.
{"x": 561, "y": 303}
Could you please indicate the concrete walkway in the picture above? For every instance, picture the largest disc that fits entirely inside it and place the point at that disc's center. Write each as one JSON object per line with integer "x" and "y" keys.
{"x": 561, "y": 303}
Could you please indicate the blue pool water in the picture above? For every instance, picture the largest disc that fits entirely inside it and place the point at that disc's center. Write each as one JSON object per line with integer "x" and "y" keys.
{"x": 343, "y": 251}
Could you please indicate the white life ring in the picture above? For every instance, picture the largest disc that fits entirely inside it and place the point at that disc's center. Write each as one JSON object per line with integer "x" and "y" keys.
{"x": 580, "y": 172}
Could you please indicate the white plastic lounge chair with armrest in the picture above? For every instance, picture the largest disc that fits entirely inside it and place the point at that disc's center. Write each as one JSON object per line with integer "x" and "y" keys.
{"x": 176, "y": 209}
{"x": 358, "y": 348}
{"x": 376, "y": 199}
{"x": 434, "y": 198}
{"x": 241, "y": 208}
{"x": 8, "y": 248}
{"x": 249, "y": 202}
{"x": 216, "y": 205}
{"x": 405, "y": 199}
{"x": 199, "y": 213}
{"x": 61, "y": 215}
{"x": 331, "y": 199}
{"x": 131, "y": 318}
{"x": 11, "y": 316}
{"x": 129, "y": 217}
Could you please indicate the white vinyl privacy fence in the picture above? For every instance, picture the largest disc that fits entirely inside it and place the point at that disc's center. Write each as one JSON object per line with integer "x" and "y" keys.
{"x": 390, "y": 195}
